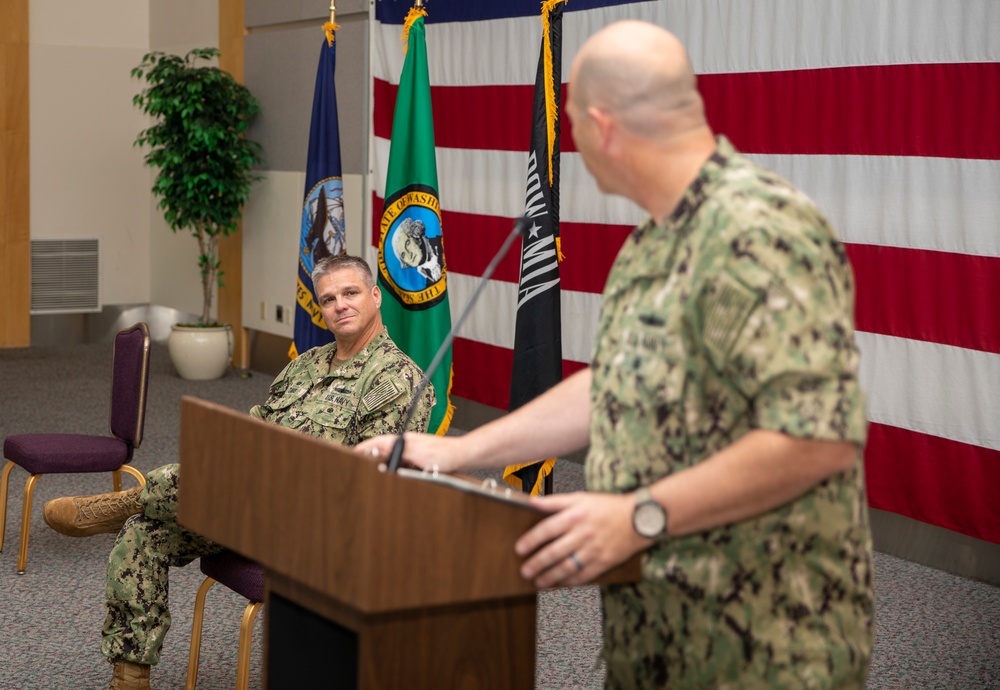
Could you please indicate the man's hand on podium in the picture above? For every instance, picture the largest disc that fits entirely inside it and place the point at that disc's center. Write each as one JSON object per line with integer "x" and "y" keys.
{"x": 420, "y": 451}
{"x": 587, "y": 534}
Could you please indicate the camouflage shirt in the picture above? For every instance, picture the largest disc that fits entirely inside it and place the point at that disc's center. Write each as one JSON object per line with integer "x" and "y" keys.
{"x": 366, "y": 396}
{"x": 734, "y": 314}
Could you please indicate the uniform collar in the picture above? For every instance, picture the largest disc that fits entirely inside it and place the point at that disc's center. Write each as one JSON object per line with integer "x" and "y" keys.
{"x": 319, "y": 367}
{"x": 696, "y": 193}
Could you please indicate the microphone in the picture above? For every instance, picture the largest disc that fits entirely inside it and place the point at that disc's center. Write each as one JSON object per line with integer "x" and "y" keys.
{"x": 521, "y": 226}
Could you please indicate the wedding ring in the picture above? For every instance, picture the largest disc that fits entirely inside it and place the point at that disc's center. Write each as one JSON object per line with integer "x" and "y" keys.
{"x": 576, "y": 562}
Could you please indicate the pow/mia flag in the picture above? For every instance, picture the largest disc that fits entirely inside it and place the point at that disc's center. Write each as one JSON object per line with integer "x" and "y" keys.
{"x": 538, "y": 331}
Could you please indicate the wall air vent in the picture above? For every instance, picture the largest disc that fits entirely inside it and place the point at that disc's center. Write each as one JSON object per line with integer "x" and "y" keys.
{"x": 64, "y": 276}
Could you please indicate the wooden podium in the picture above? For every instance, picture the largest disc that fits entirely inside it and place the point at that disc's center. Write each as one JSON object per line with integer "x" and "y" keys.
{"x": 373, "y": 580}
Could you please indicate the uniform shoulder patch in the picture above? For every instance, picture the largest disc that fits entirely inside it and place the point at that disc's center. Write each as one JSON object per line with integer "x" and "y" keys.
{"x": 380, "y": 395}
{"x": 727, "y": 313}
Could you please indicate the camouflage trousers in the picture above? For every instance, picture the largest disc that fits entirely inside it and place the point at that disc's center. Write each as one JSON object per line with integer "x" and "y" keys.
{"x": 656, "y": 636}
{"x": 138, "y": 567}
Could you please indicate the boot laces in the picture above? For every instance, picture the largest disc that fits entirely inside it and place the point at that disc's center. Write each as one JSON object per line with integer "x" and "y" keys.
{"x": 122, "y": 503}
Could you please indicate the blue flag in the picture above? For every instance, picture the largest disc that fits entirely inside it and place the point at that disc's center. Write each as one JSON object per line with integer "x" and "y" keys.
{"x": 323, "y": 233}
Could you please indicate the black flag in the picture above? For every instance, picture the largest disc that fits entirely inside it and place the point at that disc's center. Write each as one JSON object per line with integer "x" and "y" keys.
{"x": 537, "y": 334}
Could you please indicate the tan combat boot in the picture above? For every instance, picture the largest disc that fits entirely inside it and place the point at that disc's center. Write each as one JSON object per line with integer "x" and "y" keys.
{"x": 129, "y": 676}
{"x": 81, "y": 516}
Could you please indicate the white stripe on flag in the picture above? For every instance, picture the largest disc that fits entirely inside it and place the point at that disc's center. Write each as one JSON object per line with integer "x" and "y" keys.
{"x": 931, "y": 388}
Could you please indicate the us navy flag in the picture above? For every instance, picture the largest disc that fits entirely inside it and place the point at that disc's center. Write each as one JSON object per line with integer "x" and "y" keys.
{"x": 538, "y": 330}
{"x": 322, "y": 232}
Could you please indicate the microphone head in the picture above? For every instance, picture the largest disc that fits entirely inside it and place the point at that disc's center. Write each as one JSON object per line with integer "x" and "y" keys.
{"x": 522, "y": 225}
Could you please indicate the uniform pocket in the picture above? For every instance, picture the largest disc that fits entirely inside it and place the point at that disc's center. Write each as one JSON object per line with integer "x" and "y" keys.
{"x": 334, "y": 410}
{"x": 327, "y": 413}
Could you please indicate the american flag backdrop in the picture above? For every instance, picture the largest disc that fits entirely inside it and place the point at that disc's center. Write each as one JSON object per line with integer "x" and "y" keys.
{"x": 886, "y": 113}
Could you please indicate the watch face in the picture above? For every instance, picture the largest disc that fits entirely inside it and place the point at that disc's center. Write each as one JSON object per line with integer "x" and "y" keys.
{"x": 649, "y": 519}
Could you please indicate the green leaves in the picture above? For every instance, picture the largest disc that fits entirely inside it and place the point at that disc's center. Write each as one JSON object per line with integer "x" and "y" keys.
{"x": 198, "y": 144}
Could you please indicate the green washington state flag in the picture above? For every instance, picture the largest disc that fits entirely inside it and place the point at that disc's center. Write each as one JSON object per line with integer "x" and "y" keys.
{"x": 411, "y": 250}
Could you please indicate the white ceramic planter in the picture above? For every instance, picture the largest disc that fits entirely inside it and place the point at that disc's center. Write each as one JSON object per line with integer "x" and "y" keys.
{"x": 200, "y": 353}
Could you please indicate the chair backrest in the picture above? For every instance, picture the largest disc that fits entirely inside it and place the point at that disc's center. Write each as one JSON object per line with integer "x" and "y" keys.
{"x": 129, "y": 380}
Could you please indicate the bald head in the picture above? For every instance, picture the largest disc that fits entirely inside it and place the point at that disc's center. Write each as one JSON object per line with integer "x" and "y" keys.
{"x": 640, "y": 74}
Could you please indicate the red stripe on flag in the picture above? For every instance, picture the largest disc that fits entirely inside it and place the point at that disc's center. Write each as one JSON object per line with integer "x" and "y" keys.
{"x": 939, "y": 297}
{"x": 494, "y": 117}
{"x": 934, "y": 480}
{"x": 941, "y": 110}
{"x": 482, "y": 372}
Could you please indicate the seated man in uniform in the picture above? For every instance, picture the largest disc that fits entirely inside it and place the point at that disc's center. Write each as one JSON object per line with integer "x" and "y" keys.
{"x": 353, "y": 389}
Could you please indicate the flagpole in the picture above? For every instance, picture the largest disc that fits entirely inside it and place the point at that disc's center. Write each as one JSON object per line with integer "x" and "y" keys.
{"x": 331, "y": 26}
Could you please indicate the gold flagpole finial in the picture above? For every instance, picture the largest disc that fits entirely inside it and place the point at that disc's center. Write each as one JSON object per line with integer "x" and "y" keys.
{"x": 331, "y": 25}
{"x": 419, "y": 4}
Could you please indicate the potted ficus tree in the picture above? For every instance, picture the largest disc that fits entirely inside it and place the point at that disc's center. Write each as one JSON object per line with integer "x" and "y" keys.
{"x": 205, "y": 166}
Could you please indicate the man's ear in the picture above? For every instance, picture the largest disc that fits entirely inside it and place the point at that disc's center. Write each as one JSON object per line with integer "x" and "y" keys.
{"x": 605, "y": 126}
{"x": 377, "y": 294}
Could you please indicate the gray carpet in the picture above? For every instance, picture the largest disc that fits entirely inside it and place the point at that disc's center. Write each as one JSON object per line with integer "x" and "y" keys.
{"x": 933, "y": 629}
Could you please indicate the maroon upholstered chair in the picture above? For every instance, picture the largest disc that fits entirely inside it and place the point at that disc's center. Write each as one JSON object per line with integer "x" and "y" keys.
{"x": 70, "y": 453}
{"x": 244, "y": 577}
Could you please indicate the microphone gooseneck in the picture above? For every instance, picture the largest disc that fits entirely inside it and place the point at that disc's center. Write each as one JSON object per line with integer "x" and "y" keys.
{"x": 521, "y": 226}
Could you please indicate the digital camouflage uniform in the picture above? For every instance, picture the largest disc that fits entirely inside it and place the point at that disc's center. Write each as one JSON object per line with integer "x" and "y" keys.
{"x": 735, "y": 314}
{"x": 366, "y": 396}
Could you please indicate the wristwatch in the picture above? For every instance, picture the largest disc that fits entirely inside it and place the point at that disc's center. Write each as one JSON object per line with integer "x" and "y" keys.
{"x": 649, "y": 518}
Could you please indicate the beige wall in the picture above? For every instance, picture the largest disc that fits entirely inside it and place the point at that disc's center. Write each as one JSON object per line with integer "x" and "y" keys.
{"x": 86, "y": 179}
{"x": 176, "y": 26}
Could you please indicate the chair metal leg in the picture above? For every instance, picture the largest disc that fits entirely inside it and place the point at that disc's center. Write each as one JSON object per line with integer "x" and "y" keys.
{"x": 195, "y": 651}
{"x": 29, "y": 493}
{"x": 140, "y": 477}
{"x": 4, "y": 479}
{"x": 116, "y": 480}
{"x": 246, "y": 642}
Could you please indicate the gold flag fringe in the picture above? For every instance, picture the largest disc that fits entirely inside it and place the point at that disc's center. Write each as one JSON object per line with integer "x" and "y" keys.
{"x": 411, "y": 16}
{"x": 450, "y": 412}
{"x": 551, "y": 110}
{"x": 515, "y": 481}
{"x": 329, "y": 28}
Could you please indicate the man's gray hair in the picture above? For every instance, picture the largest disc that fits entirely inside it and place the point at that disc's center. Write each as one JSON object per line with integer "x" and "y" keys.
{"x": 330, "y": 264}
